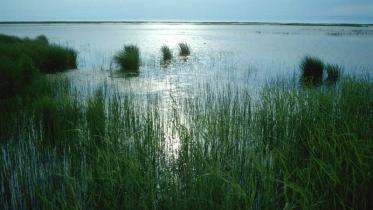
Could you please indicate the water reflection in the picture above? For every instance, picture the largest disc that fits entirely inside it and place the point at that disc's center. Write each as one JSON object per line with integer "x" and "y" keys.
{"x": 241, "y": 56}
{"x": 127, "y": 75}
{"x": 284, "y": 44}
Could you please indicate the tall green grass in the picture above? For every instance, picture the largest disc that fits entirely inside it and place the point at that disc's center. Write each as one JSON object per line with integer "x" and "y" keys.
{"x": 22, "y": 83}
{"x": 17, "y": 76}
{"x": 129, "y": 58}
{"x": 333, "y": 73}
{"x": 286, "y": 149}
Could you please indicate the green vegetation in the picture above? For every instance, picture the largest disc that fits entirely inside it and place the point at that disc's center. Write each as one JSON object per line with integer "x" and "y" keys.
{"x": 166, "y": 53}
{"x": 46, "y": 57}
{"x": 287, "y": 149}
{"x": 17, "y": 76}
{"x": 22, "y": 84}
{"x": 312, "y": 70}
{"x": 184, "y": 49}
{"x": 129, "y": 58}
{"x": 227, "y": 148}
{"x": 333, "y": 71}
{"x": 21, "y": 63}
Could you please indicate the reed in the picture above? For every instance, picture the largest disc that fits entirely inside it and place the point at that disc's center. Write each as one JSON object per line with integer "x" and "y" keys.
{"x": 312, "y": 70}
{"x": 166, "y": 54}
{"x": 129, "y": 58}
{"x": 46, "y": 57}
{"x": 184, "y": 49}
{"x": 287, "y": 148}
{"x": 333, "y": 73}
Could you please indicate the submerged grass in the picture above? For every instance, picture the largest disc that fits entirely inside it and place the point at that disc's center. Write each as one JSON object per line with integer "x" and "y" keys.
{"x": 129, "y": 58}
{"x": 287, "y": 149}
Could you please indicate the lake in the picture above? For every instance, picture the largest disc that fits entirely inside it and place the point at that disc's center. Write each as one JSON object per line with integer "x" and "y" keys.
{"x": 203, "y": 132}
{"x": 238, "y": 54}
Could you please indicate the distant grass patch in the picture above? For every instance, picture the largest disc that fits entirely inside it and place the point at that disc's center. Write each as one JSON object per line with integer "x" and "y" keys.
{"x": 312, "y": 70}
{"x": 334, "y": 72}
{"x": 129, "y": 58}
{"x": 166, "y": 53}
{"x": 46, "y": 57}
{"x": 184, "y": 49}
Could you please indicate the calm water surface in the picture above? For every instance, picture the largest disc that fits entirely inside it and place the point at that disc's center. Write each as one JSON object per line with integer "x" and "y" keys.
{"x": 242, "y": 56}
{"x": 247, "y": 55}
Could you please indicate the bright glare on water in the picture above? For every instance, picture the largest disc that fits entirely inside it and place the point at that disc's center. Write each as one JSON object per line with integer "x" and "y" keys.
{"x": 239, "y": 54}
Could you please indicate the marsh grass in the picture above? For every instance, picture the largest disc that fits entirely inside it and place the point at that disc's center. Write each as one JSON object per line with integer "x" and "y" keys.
{"x": 129, "y": 58}
{"x": 96, "y": 117}
{"x": 166, "y": 54}
{"x": 46, "y": 57}
{"x": 333, "y": 73}
{"x": 23, "y": 84}
{"x": 312, "y": 70}
{"x": 288, "y": 148}
{"x": 285, "y": 148}
{"x": 184, "y": 49}
{"x": 16, "y": 76}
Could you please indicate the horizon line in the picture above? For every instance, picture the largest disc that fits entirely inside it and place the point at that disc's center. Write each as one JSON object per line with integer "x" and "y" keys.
{"x": 192, "y": 22}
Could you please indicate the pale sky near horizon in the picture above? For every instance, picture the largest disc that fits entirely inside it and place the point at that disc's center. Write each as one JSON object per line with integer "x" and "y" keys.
{"x": 338, "y": 11}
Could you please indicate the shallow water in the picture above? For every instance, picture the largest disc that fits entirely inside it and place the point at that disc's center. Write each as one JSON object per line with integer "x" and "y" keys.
{"x": 222, "y": 57}
{"x": 247, "y": 55}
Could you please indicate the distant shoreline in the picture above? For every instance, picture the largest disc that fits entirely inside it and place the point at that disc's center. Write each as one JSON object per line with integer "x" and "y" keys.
{"x": 187, "y": 22}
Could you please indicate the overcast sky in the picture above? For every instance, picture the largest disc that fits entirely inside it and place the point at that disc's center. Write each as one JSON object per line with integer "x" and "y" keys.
{"x": 189, "y": 10}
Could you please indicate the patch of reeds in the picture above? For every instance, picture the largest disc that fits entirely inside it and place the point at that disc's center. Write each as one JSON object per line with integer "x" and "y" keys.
{"x": 333, "y": 73}
{"x": 184, "y": 49}
{"x": 23, "y": 60}
{"x": 166, "y": 53}
{"x": 288, "y": 148}
{"x": 46, "y": 57}
{"x": 128, "y": 59}
{"x": 312, "y": 70}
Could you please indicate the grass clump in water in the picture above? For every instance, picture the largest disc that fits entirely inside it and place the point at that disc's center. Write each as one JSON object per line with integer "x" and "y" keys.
{"x": 166, "y": 53}
{"x": 184, "y": 49}
{"x": 129, "y": 58}
{"x": 46, "y": 57}
{"x": 312, "y": 70}
{"x": 333, "y": 73}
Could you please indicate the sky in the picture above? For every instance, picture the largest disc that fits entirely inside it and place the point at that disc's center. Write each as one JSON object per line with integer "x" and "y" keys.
{"x": 313, "y": 11}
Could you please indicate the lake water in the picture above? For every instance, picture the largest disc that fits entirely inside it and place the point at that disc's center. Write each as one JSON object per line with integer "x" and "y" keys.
{"x": 247, "y": 55}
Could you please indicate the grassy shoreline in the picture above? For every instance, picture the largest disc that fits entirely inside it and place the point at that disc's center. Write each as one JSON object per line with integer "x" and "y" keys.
{"x": 290, "y": 149}
{"x": 285, "y": 146}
